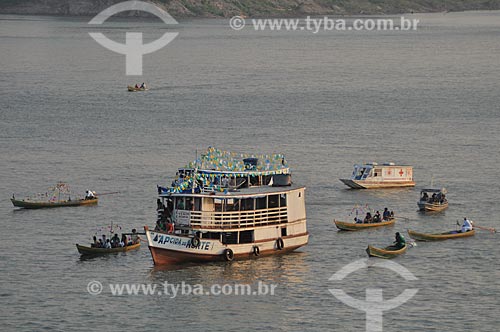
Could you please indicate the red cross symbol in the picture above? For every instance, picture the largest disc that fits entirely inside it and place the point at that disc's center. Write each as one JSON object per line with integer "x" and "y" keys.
{"x": 389, "y": 172}
{"x": 401, "y": 173}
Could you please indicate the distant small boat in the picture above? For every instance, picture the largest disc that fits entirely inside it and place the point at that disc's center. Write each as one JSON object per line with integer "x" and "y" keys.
{"x": 440, "y": 236}
{"x": 40, "y": 205}
{"x": 432, "y": 200}
{"x": 373, "y": 175}
{"x": 350, "y": 226}
{"x": 134, "y": 89}
{"x": 387, "y": 252}
{"x": 84, "y": 250}
{"x": 58, "y": 196}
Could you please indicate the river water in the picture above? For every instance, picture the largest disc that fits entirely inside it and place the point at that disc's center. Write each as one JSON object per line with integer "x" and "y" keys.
{"x": 429, "y": 98}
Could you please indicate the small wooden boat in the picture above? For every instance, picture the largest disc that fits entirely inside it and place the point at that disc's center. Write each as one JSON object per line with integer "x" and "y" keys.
{"x": 432, "y": 200}
{"x": 134, "y": 89}
{"x": 439, "y": 236}
{"x": 27, "y": 204}
{"x": 84, "y": 250}
{"x": 349, "y": 226}
{"x": 387, "y": 252}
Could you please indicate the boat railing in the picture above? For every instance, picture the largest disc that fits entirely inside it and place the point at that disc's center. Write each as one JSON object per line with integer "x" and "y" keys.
{"x": 238, "y": 219}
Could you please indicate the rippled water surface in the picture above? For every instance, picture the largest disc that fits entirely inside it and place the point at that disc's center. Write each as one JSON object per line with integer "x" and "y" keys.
{"x": 429, "y": 98}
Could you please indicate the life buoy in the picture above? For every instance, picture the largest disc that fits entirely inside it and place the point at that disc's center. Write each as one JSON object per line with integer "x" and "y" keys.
{"x": 256, "y": 250}
{"x": 195, "y": 242}
{"x": 280, "y": 244}
{"x": 228, "y": 255}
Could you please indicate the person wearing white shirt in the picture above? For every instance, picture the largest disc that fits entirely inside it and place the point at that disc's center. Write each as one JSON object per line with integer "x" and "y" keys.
{"x": 467, "y": 225}
{"x": 89, "y": 194}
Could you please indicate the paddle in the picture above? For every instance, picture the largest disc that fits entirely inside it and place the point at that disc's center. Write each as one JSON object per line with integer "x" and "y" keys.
{"x": 110, "y": 193}
{"x": 491, "y": 229}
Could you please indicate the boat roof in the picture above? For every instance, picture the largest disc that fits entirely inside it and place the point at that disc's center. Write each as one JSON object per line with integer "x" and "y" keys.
{"x": 252, "y": 192}
{"x": 434, "y": 190}
{"x": 389, "y": 164}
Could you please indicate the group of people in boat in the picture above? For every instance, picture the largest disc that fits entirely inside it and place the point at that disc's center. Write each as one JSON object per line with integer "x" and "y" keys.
{"x": 435, "y": 198}
{"x": 164, "y": 222}
{"x": 142, "y": 86}
{"x": 386, "y": 215}
{"x": 115, "y": 241}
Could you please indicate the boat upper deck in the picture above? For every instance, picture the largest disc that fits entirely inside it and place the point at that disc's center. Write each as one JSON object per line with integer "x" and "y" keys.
{"x": 240, "y": 193}
{"x": 222, "y": 172}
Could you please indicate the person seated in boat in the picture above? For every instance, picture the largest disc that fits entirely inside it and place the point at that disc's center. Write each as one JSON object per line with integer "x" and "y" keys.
{"x": 115, "y": 241}
{"x": 400, "y": 241}
{"x": 143, "y": 85}
{"x": 433, "y": 198}
{"x": 392, "y": 214}
{"x": 376, "y": 217}
{"x": 108, "y": 244}
{"x": 135, "y": 237}
{"x": 100, "y": 244}
{"x": 425, "y": 197}
{"x": 94, "y": 244}
{"x": 386, "y": 214}
{"x": 357, "y": 220}
{"x": 443, "y": 198}
{"x": 466, "y": 225}
{"x": 89, "y": 194}
{"x": 136, "y": 86}
{"x": 368, "y": 218}
{"x": 124, "y": 241}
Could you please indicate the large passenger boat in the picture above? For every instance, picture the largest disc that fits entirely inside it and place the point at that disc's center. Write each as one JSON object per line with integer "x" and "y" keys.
{"x": 373, "y": 175}
{"x": 229, "y": 206}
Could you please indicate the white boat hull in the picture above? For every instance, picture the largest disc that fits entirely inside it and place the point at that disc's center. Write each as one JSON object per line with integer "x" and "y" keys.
{"x": 363, "y": 184}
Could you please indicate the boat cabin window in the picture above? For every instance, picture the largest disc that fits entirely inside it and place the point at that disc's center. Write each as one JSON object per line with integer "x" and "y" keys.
{"x": 218, "y": 204}
{"x": 232, "y": 204}
{"x": 359, "y": 173}
{"x": 230, "y": 238}
{"x": 274, "y": 201}
{"x": 377, "y": 172}
{"x": 266, "y": 179}
{"x": 246, "y": 237}
{"x": 247, "y": 204}
{"x": 255, "y": 180}
{"x": 282, "y": 200}
{"x": 179, "y": 203}
{"x": 197, "y": 204}
{"x": 283, "y": 231}
{"x": 261, "y": 203}
{"x": 188, "y": 203}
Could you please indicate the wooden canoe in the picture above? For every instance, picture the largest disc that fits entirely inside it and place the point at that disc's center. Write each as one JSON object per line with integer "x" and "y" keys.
{"x": 40, "y": 205}
{"x": 134, "y": 89}
{"x": 349, "y": 226}
{"x": 84, "y": 250}
{"x": 439, "y": 236}
{"x": 432, "y": 207}
{"x": 387, "y": 252}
